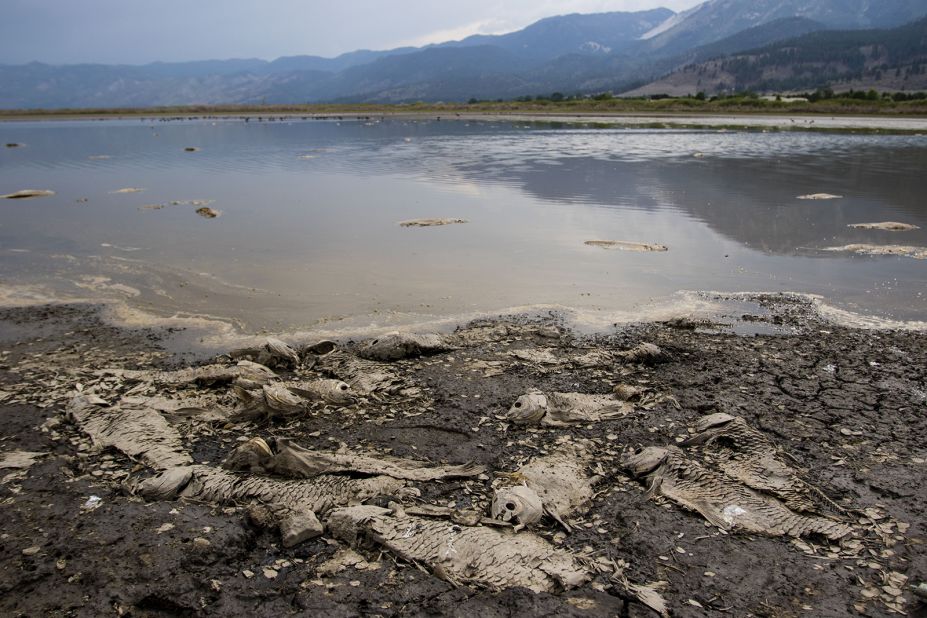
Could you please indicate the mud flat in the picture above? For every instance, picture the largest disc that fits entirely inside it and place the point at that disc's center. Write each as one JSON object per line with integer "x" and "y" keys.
{"x": 820, "y": 424}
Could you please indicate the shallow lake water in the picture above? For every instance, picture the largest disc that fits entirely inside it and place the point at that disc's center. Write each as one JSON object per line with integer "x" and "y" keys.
{"x": 308, "y": 233}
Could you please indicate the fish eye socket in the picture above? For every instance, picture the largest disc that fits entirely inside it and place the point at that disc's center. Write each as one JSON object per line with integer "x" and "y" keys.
{"x": 510, "y": 506}
{"x": 638, "y": 451}
{"x": 343, "y": 387}
{"x": 375, "y": 342}
{"x": 517, "y": 404}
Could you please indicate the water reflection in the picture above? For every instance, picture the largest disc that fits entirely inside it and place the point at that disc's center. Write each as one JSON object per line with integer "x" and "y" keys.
{"x": 309, "y": 230}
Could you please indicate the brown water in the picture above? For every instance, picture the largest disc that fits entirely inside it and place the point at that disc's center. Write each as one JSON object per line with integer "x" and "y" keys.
{"x": 309, "y": 234}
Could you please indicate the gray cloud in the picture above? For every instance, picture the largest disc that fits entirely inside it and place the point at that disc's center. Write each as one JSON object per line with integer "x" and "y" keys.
{"x": 139, "y": 31}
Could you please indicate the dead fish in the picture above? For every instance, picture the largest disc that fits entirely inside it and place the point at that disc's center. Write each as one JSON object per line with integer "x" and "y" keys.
{"x": 334, "y": 392}
{"x": 272, "y": 353}
{"x": 273, "y": 400}
{"x": 141, "y": 433}
{"x": 560, "y": 480}
{"x": 291, "y": 460}
{"x": 918, "y": 253}
{"x": 26, "y": 194}
{"x": 166, "y": 485}
{"x": 543, "y": 356}
{"x": 628, "y": 392}
{"x": 644, "y": 353}
{"x": 19, "y": 460}
{"x": 255, "y": 455}
{"x": 820, "y": 196}
{"x": 562, "y": 409}
{"x": 623, "y": 245}
{"x": 318, "y": 494}
{"x": 14, "y": 145}
{"x": 478, "y": 555}
{"x": 128, "y": 190}
{"x": 205, "y": 375}
{"x": 191, "y": 149}
{"x": 396, "y": 346}
{"x": 364, "y": 377}
{"x": 889, "y": 226}
{"x": 208, "y": 213}
{"x": 430, "y": 222}
{"x": 744, "y": 453}
{"x": 721, "y": 500}
{"x": 294, "y": 503}
{"x": 519, "y": 505}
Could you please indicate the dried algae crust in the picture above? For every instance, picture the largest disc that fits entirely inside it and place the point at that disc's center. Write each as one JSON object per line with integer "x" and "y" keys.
{"x": 464, "y": 555}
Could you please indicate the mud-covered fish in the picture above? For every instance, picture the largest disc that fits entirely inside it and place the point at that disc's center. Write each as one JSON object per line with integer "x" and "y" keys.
{"x": 271, "y": 401}
{"x": 397, "y": 346}
{"x": 365, "y": 377}
{"x": 563, "y": 409}
{"x": 744, "y": 453}
{"x": 272, "y": 353}
{"x": 334, "y": 392}
{"x": 643, "y": 353}
{"x": 294, "y": 503}
{"x": 205, "y": 375}
{"x": 722, "y": 500}
{"x": 26, "y": 194}
{"x": 479, "y": 555}
{"x": 141, "y": 433}
{"x": 291, "y": 460}
{"x": 887, "y": 226}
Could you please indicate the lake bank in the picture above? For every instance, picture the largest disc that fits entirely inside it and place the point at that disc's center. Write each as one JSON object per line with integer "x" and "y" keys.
{"x": 846, "y": 405}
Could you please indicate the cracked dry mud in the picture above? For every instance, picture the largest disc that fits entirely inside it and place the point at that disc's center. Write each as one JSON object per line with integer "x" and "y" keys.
{"x": 844, "y": 409}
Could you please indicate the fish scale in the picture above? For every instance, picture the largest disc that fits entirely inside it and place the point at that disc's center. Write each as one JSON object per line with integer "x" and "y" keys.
{"x": 747, "y": 455}
{"x": 478, "y": 555}
{"x": 317, "y": 495}
{"x": 728, "y": 504}
{"x": 141, "y": 433}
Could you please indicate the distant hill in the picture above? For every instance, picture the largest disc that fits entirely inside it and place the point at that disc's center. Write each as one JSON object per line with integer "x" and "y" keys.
{"x": 890, "y": 59}
{"x": 717, "y": 19}
{"x": 571, "y": 54}
{"x": 590, "y": 34}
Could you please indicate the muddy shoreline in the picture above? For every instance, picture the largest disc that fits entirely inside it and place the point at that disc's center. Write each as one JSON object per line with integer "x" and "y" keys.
{"x": 846, "y": 405}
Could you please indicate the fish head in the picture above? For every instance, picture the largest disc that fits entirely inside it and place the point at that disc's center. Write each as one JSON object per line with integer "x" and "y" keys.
{"x": 529, "y": 408}
{"x": 644, "y": 461}
{"x": 338, "y": 392}
{"x": 254, "y": 455}
{"x": 518, "y": 505}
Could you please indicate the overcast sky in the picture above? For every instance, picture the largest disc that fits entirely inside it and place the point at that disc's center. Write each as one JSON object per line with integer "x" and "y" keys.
{"x": 139, "y": 31}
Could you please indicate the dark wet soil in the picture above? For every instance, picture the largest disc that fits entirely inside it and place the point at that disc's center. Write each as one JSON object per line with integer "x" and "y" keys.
{"x": 850, "y": 406}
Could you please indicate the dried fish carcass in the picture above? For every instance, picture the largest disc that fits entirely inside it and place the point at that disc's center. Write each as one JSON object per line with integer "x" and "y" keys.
{"x": 477, "y": 555}
{"x": 291, "y": 460}
{"x": 271, "y": 401}
{"x": 744, "y": 453}
{"x": 396, "y": 346}
{"x": 272, "y": 353}
{"x": 141, "y": 433}
{"x": 205, "y": 375}
{"x": 333, "y": 392}
{"x": 721, "y": 500}
{"x": 563, "y": 409}
{"x": 644, "y": 354}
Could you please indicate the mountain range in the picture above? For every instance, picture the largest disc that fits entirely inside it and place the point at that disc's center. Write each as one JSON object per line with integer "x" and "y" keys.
{"x": 716, "y": 46}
